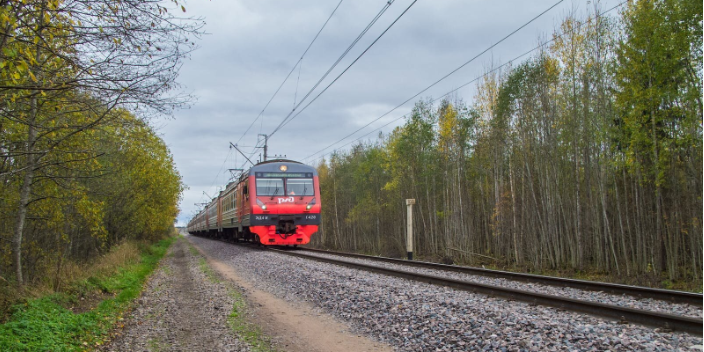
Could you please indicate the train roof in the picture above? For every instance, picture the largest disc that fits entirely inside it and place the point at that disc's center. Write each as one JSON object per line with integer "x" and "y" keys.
{"x": 275, "y": 165}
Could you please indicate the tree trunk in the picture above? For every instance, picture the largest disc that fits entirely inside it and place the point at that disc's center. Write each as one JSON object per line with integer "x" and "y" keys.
{"x": 25, "y": 189}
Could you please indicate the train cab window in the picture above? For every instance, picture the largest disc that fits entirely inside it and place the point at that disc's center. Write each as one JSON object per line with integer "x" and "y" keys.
{"x": 299, "y": 187}
{"x": 270, "y": 187}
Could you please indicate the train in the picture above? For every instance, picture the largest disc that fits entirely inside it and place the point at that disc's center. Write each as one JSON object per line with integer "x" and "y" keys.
{"x": 274, "y": 203}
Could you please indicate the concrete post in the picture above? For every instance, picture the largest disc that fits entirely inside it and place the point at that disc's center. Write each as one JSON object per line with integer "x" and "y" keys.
{"x": 409, "y": 228}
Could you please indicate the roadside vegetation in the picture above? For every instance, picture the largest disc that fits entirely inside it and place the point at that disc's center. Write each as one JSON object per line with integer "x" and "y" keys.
{"x": 81, "y": 317}
{"x": 583, "y": 160}
{"x": 82, "y": 172}
{"x": 88, "y": 190}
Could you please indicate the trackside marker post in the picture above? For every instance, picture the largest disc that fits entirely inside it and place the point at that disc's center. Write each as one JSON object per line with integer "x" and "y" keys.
{"x": 409, "y": 228}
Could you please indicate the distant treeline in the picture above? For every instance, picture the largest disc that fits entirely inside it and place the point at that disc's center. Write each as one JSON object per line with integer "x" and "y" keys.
{"x": 80, "y": 168}
{"x": 587, "y": 156}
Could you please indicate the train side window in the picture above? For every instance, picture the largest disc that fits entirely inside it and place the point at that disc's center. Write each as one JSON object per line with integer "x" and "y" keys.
{"x": 245, "y": 191}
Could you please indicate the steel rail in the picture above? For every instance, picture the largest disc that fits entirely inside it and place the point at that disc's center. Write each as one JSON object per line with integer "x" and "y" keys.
{"x": 618, "y": 289}
{"x": 621, "y": 314}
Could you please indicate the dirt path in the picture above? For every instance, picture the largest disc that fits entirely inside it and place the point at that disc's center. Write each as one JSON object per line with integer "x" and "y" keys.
{"x": 180, "y": 309}
{"x": 295, "y": 327}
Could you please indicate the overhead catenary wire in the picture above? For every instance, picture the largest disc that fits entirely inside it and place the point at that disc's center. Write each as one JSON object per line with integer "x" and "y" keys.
{"x": 290, "y": 72}
{"x": 276, "y": 92}
{"x": 446, "y": 94}
{"x": 354, "y": 42}
{"x": 447, "y": 75}
{"x": 212, "y": 184}
{"x": 348, "y": 67}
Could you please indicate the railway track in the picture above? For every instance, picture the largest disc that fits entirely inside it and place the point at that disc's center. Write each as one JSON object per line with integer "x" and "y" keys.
{"x": 616, "y": 289}
{"x": 622, "y": 314}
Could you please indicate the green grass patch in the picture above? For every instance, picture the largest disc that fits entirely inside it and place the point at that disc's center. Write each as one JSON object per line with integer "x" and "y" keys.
{"x": 212, "y": 276}
{"x": 156, "y": 346}
{"x": 248, "y": 332}
{"x": 44, "y": 324}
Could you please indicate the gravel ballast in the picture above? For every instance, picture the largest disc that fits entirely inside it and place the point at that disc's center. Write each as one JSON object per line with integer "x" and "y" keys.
{"x": 600, "y": 297}
{"x": 414, "y": 316}
{"x": 180, "y": 309}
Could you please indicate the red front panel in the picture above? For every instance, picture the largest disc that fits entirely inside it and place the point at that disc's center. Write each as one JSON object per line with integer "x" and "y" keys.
{"x": 285, "y": 206}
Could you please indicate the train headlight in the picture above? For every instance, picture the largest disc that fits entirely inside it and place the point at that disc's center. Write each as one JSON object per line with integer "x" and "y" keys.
{"x": 310, "y": 205}
{"x": 261, "y": 204}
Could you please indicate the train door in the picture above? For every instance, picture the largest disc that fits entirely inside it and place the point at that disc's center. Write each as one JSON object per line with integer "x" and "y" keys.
{"x": 219, "y": 217}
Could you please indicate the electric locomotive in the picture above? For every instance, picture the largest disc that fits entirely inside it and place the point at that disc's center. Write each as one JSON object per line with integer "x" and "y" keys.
{"x": 276, "y": 202}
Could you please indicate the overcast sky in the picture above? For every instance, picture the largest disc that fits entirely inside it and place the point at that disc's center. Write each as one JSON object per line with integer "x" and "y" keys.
{"x": 252, "y": 45}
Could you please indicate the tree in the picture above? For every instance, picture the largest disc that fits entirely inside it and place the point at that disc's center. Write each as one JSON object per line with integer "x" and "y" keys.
{"x": 659, "y": 79}
{"x": 59, "y": 59}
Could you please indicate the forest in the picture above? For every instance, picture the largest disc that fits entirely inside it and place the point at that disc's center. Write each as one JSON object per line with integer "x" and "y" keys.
{"x": 585, "y": 158}
{"x": 81, "y": 170}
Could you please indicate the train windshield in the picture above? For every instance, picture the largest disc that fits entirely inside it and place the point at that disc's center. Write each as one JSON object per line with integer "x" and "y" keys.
{"x": 299, "y": 187}
{"x": 270, "y": 187}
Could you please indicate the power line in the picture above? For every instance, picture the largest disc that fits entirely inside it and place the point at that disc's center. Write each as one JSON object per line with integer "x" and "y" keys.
{"x": 276, "y": 92}
{"x": 284, "y": 123}
{"x": 354, "y": 42}
{"x": 290, "y": 72}
{"x": 219, "y": 171}
{"x": 445, "y": 76}
{"x": 451, "y": 91}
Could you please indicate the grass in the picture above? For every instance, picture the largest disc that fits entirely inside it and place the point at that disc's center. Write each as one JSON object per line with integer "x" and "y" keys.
{"x": 45, "y": 324}
{"x": 245, "y": 330}
{"x": 212, "y": 276}
{"x": 237, "y": 321}
{"x": 156, "y": 346}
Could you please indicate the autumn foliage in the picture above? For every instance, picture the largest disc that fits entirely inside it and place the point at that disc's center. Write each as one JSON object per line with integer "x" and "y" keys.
{"x": 584, "y": 158}
{"x": 80, "y": 167}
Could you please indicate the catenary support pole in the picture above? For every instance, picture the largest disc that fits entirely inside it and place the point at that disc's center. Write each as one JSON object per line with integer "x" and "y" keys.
{"x": 266, "y": 147}
{"x": 409, "y": 228}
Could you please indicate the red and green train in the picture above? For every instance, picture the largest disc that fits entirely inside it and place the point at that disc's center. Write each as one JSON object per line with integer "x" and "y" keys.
{"x": 276, "y": 202}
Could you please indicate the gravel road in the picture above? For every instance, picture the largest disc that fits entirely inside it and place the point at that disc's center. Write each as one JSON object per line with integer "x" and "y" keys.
{"x": 180, "y": 310}
{"x": 419, "y": 317}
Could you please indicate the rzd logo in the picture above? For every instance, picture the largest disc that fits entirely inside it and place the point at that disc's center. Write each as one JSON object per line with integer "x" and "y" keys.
{"x": 286, "y": 200}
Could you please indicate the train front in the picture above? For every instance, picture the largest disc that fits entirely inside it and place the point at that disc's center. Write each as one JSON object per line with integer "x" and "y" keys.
{"x": 285, "y": 203}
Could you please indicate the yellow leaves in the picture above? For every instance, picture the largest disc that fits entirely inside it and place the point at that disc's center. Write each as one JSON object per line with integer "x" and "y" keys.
{"x": 31, "y": 75}
{"x": 6, "y": 20}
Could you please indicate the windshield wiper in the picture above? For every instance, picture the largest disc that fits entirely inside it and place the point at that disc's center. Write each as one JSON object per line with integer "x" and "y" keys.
{"x": 305, "y": 188}
{"x": 275, "y": 191}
